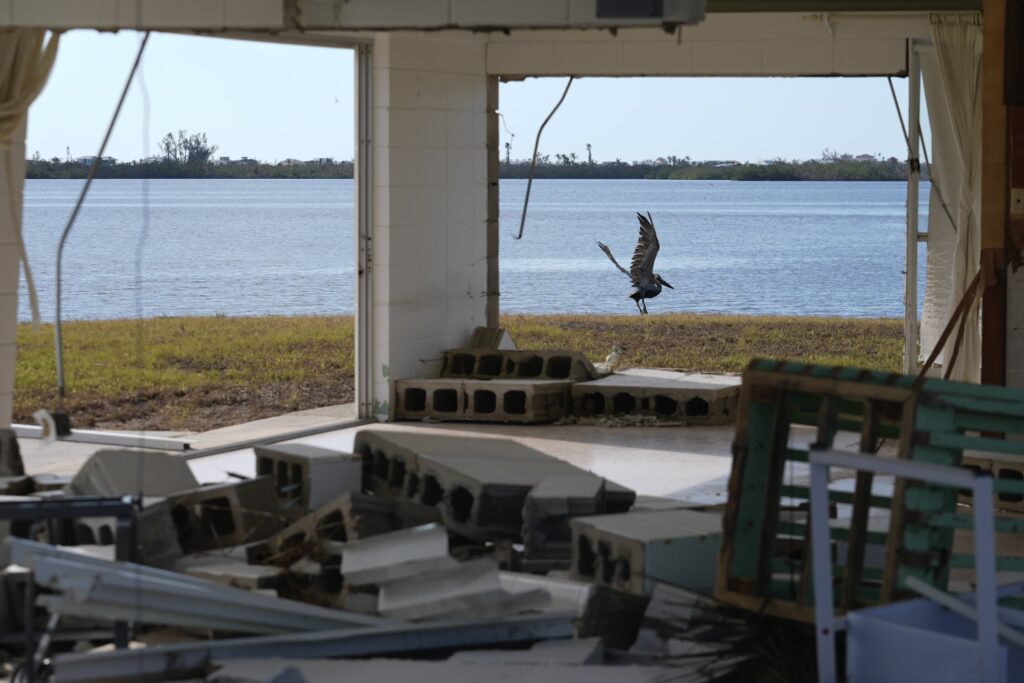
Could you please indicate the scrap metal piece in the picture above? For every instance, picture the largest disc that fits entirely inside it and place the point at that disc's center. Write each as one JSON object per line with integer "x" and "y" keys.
{"x": 192, "y": 658}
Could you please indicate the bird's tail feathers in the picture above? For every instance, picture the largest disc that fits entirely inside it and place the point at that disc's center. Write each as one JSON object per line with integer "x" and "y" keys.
{"x": 608, "y": 253}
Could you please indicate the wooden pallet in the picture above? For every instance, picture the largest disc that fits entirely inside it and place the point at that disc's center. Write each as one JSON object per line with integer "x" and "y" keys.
{"x": 764, "y": 564}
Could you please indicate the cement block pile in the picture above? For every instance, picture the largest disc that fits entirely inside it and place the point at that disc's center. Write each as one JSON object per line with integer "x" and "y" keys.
{"x": 510, "y": 385}
{"x": 476, "y": 554}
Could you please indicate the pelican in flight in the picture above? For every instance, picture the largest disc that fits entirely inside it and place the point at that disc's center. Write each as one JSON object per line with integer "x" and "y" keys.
{"x": 646, "y": 283}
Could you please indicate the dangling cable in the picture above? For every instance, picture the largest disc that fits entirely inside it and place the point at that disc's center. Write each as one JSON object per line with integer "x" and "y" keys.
{"x": 533, "y": 162}
{"x": 58, "y": 340}
{"x": 924, "y": 149}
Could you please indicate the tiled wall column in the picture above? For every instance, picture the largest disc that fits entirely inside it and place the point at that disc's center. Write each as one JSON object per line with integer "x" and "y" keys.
{"x": 430, "y": 202}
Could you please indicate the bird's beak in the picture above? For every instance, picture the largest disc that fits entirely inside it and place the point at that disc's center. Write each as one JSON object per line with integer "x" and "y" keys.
{"x": 665, "y": 283}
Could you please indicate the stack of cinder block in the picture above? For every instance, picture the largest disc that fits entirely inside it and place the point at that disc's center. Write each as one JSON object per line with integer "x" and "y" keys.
{"x": 495, "y": 385}
{"x": 690, "y": 398}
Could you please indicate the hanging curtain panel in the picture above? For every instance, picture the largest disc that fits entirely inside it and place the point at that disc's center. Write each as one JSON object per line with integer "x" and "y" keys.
{"x": 952, "y": 77}
{"x": 26, "y": 57}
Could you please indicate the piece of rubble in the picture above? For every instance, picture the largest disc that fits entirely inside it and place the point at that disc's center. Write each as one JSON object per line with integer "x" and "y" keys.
{"x": 112, "y": 472}
{"x": 238, "y": 574}
{"x": 50, "y": 482}
{"x": 569, "y": 652}
{"x": 565, "y": 595}
{"x": 10, "y": 454}
{"x": 307, "y": 477}
{"x": 16, "y": 486}
{"x": 156, "y": 537}
{"x": 550, "y": 505}
{"x": 480, "y": 484}
{"x": 398, "y": 555}
{"x": 462, "y": 589}
{"x": 229, "y": 514}
{"x": 633, "y": 551}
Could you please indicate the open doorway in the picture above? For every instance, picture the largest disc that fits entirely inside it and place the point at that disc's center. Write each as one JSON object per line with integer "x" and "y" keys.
{"x": 210, "y": 278}
{"x": 783, "y": 234}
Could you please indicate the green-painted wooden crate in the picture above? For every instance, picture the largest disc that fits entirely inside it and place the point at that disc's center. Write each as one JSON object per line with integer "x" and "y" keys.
{"x": 765, "y": 564}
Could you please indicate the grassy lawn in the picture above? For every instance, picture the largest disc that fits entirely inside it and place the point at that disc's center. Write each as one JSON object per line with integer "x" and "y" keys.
{"x": 201, "y": 373}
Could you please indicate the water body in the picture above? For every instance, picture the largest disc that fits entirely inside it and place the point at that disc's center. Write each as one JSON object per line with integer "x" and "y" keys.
{"x": 285, "y": 247}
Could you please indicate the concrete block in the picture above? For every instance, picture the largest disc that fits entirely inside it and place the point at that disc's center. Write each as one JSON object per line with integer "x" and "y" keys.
{"x": 16, "y": 486}
{"x": 50, "y": 482}
{"x": 224, "y": 515}
{"x": 1007, "y": 469}
{"x": 126, "y": 472}
{"x": 156, "y": 536}
{"x": 491, "y": 338}
{"x": 633, "y": 551}
{"x": 614, "y": 616}
{"x": 692, "y": 398}
{"x": 238, "y": 574}
{"x": 395, "y": 556}
{"x": 506, "y": 400}
{"x": 478, "y": 363}
{"x": 467, "y": 588}
{"x": 308, "y": 477}
{"x": 547, "y": 537}
{"x": 10, "y": 455}
{"x": 480, "y": 484}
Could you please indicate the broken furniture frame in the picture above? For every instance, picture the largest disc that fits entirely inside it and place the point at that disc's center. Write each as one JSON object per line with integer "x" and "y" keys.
{"x": 121, "y": 508}
{"x": 765, "y": 564}
{"x": 955, "y": 478}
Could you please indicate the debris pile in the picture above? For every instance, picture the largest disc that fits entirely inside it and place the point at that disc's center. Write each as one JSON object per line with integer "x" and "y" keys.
{"x": 469, "y": 550}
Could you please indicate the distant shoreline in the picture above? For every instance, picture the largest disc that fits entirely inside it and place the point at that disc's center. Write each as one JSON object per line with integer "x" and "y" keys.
{"x": 837, "y": 168}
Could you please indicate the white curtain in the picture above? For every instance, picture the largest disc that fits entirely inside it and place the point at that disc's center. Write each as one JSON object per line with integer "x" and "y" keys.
{"x": 26, "y": 58}
{"x": 25, "y": 61}
{"x": 957, "y": 63}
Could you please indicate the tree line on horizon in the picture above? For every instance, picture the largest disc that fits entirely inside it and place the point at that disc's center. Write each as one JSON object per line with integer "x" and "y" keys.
{"x": 192, "y": 156}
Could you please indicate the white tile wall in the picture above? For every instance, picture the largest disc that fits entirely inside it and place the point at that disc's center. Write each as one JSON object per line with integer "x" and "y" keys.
{"x": 9, "y": 271}
{"x": 429, "y": 267}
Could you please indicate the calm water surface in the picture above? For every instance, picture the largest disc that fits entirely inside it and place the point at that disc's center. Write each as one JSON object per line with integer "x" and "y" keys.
{"x": 254, "y": 247}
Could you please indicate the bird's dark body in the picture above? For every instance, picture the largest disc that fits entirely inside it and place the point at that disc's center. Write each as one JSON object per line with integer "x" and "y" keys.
{"x": 646, "y": 283}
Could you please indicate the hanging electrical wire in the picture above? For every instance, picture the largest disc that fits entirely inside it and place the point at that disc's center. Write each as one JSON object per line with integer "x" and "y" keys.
{"x": 58, "y": 339}
{"x": 924, "y": 149}
{"x": 533, "y": 161}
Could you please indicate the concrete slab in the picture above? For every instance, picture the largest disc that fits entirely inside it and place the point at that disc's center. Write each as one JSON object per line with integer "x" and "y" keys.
{"x": 633, "y": 551}
{"x": 692, "y": 398}
{"x": 121, "y": 472}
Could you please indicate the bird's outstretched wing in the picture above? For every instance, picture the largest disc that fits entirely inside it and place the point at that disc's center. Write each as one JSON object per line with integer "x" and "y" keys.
{"x": 641, "y": 270}
{"x": 608, "y": 253}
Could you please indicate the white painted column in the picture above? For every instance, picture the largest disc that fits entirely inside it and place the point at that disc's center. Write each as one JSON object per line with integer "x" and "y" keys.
{"x": 910, "y": 328}
{"x": 11, "y": 188}
{"x": 429, "y": 203}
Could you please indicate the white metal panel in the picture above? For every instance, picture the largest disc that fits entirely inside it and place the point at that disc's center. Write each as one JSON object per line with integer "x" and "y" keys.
{"x": 750, "y": 44}
{"x": 149, "y": 14}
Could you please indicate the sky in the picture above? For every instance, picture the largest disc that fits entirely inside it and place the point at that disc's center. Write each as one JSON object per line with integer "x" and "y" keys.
{"x": 272, "y": 102}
